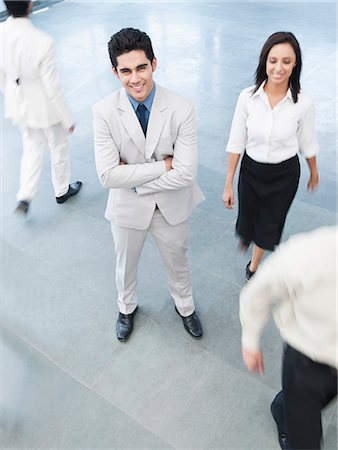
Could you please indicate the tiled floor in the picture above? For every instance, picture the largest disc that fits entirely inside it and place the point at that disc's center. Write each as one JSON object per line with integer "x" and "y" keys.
{"x": 65, "y": 380}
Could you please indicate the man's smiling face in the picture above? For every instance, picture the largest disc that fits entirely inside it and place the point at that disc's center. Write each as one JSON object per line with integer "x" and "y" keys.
{"x": 135, "y": 72}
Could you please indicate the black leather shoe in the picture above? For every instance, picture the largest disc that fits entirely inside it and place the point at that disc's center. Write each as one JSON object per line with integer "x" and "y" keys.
{"x": 72, "y": 190}
{"x": 125, "y": 325}
{"x": 192, "y": 324}
{"x": 277, "y": 412}
{"x": 22, "y": 207}
{"x": 248, "y": 273}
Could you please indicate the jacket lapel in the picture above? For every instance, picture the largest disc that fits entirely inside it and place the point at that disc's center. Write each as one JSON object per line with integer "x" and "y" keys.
{"x": 130, "y": 122}
{"x": 156, "y": 122}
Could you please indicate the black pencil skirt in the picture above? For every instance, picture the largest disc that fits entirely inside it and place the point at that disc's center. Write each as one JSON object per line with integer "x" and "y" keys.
{"x": 265, "y": 194}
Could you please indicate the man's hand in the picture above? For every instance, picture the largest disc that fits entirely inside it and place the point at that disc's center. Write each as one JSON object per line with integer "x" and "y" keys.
{"x": 253, "y": 361}
{"x": 71, "y": 129}
{"x": 168, "y": 163}
{"x": 122, "y": 163}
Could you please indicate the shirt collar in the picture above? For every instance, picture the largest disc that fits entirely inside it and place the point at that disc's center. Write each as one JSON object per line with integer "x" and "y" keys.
{"x": 148, "y": 102}
{"x": 260, "y": 92}
{"x": 18, "y": 20}
{"x": 289, "y": 95}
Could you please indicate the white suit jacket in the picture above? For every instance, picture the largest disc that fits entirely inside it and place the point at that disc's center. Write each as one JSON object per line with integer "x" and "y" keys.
{"x": 35, "y": 100}
{"x": 136, "y": 187}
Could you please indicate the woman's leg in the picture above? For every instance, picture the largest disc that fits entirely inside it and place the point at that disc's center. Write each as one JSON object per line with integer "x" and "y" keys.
{"x": 257, "y": 255}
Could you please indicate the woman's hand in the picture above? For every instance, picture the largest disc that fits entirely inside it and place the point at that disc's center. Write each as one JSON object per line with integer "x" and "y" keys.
{"x": 313, "y": 181}
{"x": 228, "y": 197}
{"x": 228, "y": 194}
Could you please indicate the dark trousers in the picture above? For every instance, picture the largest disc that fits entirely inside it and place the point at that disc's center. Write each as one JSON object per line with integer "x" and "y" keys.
{"x": 307, "y": 388}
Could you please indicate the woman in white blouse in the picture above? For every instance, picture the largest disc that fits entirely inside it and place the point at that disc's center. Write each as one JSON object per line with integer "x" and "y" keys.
{"x": 273, "y": 121}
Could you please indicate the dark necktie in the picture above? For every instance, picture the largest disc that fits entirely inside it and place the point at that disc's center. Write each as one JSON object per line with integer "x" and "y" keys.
{"x": 141, "y": 114}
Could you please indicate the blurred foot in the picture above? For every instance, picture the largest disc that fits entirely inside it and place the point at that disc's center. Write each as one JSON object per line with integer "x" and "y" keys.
{"x": 277, "y": 414}
{"x": 22, "y": 207}
{"x": 73, "y": 190}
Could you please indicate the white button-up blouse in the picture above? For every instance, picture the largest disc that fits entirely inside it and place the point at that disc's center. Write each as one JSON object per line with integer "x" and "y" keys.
{"x": 273, "y": 135}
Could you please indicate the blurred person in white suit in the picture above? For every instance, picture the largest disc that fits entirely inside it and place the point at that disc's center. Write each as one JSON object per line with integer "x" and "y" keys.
{"x": 146, "y": 154}
{"x": 34, "y": 102}
{"x": 298, "y": 282}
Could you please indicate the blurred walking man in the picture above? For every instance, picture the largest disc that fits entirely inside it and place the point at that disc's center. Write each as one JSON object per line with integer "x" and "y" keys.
{"x": 299, "y": 280}
{"x": 34, "y": 101}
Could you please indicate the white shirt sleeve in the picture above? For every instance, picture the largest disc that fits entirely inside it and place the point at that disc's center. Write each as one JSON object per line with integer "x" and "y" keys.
{"x": 265, "y": 289}
{"x": 238, "y": 132}
{"x": 306, "y": 133}
{"x": 50, "y": 80}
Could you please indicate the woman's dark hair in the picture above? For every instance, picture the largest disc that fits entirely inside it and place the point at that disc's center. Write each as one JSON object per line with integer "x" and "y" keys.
{"x": 280, "y": 37}
{"x": 129, "y": 39}
{"x": 17, "y": 9}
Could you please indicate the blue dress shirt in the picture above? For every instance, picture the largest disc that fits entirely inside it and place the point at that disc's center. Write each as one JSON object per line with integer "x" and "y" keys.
{"x": 148, "y": 102}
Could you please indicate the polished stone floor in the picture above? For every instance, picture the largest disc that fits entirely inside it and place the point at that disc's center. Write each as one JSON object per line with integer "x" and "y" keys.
{"x": 65, "y": 381}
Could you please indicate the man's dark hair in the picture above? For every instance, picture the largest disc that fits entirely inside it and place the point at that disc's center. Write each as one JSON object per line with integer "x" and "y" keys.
{"x": 127, "y": 40}
{"x": 17, "y": 9}
{"x": 281, "y": 37}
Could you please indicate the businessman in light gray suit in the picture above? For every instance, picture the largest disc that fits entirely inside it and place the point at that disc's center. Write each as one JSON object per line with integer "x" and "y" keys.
{"x": 146, "y": 154}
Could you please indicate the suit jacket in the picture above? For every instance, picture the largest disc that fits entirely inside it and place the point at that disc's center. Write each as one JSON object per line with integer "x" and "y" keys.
{"x": 136, "y": 187}
{"x": 28, "y": 77}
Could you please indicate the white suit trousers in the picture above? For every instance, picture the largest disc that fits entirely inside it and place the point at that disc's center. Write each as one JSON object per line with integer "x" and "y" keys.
{"x": 34, "y": 143}
{"x": 172, "y": 243}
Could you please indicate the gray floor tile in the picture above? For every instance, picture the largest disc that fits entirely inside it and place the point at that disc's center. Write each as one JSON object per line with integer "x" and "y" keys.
{"x": 224, "y": 260}
{"x": 218, "y": 305}
{"x": 36, "y": 394}
{"x": 200, "y": 242}
{"x": 43, "y": 407}
{"x": 63, "y": 318}
{"x": 331, "y": 438}
{"x": 90, "y": 250}
{"x": 93, "y": 423}
{"x": 304, "y": 217}
{"x": 189, "y": 393}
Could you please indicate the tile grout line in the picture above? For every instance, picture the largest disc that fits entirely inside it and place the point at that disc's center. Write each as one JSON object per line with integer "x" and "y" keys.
{"x": 34, "y": 347}
{"x": 81, "y": 282}
{"x": 91, "y": 389}
{"x": 78, "y": 381}
{"x": 197, "y": 266}
{"x": 316, "y": 206}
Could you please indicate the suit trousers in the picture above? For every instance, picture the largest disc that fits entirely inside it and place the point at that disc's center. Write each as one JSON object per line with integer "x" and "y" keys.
{"x": 308, "y": 386}
{"x": 172, "y": 244}
{"x": 35, "y": 140}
